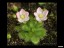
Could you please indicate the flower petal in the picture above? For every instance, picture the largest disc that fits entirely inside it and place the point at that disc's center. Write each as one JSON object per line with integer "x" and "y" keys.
{"x": 26, "y": 19}
{"x": 38, "y": 19}
{"x": 26, "y": 16}
{"x": 20, "y": 20}
{"x": 44, "y": 19}
{"x": 22, "y": 11}
{"x": 39, "y": 10}
{"x": 35, "y": 14}
{"x": 18, "y": 15}
{"x": 27, "y": 13}
{"x": 45, "y": 13}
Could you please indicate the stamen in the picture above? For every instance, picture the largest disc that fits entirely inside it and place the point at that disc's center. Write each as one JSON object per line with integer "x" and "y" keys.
{"x": 22, "y": 16}
{"x": 40, "y": 15}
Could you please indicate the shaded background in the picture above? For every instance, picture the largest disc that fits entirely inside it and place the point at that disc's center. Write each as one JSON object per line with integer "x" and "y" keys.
{"x": 50, "y": 23}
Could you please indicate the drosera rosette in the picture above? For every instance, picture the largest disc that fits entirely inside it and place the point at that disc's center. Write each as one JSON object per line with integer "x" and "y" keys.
{"x": 41, "y": 14}
{"x": 22, "y": 16}
{"x": 33, "y": 31}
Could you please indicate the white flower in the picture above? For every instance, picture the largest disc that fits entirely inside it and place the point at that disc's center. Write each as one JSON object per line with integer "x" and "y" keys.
{"x": 40, "y": 14}
{"x": 22, "y": 16}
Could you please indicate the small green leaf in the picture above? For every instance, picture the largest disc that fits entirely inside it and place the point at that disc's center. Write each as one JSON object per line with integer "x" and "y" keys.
{"x": 31, "y": 25}
{"x": 25, "y": 27}
{"x": 21, "y": 35}
{"x": 35, "y": 40}
{"x": 27, "y": 37}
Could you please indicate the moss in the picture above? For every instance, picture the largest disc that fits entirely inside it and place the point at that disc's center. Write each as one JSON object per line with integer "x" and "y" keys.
{"x": 8, "y": 36}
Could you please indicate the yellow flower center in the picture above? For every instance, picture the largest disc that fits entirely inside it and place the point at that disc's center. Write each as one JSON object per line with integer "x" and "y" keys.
{"x": 40, "y": 15}
{"x": 22, "y": 16}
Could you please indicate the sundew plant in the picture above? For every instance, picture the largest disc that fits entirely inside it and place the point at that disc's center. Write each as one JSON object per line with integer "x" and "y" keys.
{"x": 26, "y": 23}
{"x": 31, "y": 28}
